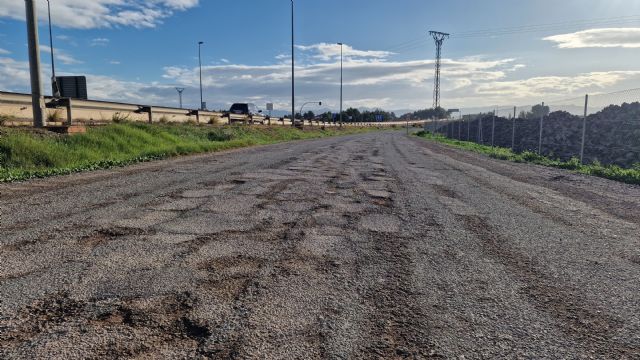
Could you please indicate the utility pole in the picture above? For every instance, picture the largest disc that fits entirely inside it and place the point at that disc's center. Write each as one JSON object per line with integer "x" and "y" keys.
{"x": 439, "y": 38}
{"x": 54, "y": 80}
{"x": 37, "y": 99}
{"x": 180, "y": 91}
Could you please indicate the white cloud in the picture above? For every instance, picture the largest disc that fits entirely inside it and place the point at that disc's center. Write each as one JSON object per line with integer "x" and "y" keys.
{"x": 224, "y": 61}
{"x": 61, "y": 55}
{"x": 14, "y": 75}
{"x": 598, "y": 38}
{"x": 369, "y": 82}
{"x": 4, "y": 52}
{"x": 326, "y": 52}
{"x": 99, "y": 42}
{"x": 549, "y": 87}
{"x": 114, "y": 62}
{"x": 101, "y": 13}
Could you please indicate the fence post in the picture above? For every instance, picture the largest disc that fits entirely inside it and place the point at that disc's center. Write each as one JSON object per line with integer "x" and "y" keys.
{"x": 584, "y": 128}
{"x": 513, "y": 130}
{"x": 69, "y": 112}
{"x": 541, "y": 127}
{"x": 480, "y": 134}
{"x": 469, "y": 129}
{"x": 493, "y": 128}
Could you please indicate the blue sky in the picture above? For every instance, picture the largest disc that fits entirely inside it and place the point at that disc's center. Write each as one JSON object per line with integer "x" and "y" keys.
{"x": 137, "y": 50}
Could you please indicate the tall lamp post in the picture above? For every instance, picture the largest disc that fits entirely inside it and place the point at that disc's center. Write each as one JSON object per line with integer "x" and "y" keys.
{"x": 54, "y": 80}
{"x": 293, "y": 71}
{"x": 307, "y": 103}
{"x": 341, "y": 44}
{"x": 200, "y": 63}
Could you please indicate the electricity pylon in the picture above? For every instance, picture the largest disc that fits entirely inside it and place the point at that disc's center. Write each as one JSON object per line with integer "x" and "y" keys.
{"x": 439, "y": 38}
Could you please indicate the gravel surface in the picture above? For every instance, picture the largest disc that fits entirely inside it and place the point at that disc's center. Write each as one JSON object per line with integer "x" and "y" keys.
{"x": 364, "y": 246}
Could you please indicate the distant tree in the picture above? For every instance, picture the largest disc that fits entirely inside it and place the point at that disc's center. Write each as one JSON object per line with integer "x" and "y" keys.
{"x": 437, "y": 113}
{"x": 537, "y": 111}
{"x": 309, "y": 115}
{"x": 351, "y": 115}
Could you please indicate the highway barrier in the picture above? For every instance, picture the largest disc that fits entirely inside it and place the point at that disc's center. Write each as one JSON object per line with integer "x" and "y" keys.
{"x": 15, "y": 109}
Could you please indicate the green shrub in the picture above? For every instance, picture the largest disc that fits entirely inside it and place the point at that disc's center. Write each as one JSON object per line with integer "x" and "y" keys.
{"x": 4, "y": 118}
{"x": 119, "y": 118}
{"x": 54, "y": 116}
{"x": 219, "y": 135}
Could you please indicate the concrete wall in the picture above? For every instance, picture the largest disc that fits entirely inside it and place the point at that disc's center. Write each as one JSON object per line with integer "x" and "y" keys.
{"x": 91, "y": 112}
{"x": 18, "y": 108}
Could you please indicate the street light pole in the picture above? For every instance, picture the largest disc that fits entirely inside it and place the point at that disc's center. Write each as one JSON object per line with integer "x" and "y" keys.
{"x": 37, "y": 100}
{"x": 200, "y": 63}
{"x": 293, "y": 70}
{"x": 340, "y": 82}
{"x": 307, "y": 103}
{"x": 54, "y": 81}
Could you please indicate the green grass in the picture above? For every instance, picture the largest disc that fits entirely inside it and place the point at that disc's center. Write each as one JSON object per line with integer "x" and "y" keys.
{"x": 613, "y": 172}
{"x": 26, "y": 154}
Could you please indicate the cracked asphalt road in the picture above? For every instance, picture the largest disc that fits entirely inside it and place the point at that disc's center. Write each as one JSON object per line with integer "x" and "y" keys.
{"x": 364, "y": 246}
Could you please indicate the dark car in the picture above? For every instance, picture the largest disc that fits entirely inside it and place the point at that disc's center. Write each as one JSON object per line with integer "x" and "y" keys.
{"x": 246, "y": 112}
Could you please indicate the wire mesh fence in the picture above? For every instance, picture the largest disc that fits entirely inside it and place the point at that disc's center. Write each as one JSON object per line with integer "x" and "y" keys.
{"x": 601, "y": 128}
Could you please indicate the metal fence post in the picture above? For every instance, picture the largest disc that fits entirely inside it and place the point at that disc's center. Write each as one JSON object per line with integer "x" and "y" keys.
{"x": 541, "y": 127}
{"x": 584, "y": 128}
{"x": 469, "y": 129}
{"x": 493, "y": 128}
{"x": 513, "y": 130}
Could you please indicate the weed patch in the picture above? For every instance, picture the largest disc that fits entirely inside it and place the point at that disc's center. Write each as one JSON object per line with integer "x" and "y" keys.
{"x": 613, "y": 172}
{"x": 26, "y": 153}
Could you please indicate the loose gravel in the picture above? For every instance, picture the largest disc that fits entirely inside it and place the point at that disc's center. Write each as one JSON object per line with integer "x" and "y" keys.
{"x": 366, "y": 246}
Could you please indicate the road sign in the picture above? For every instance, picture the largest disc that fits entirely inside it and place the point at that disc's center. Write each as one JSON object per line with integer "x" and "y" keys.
{"x": 379, "y": 118}
{"x": 72, "y": 87}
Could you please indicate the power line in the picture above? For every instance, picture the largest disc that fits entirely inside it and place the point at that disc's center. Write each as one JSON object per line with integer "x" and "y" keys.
{"x": 418, "y": 43}
{"x": 547, "y": 26}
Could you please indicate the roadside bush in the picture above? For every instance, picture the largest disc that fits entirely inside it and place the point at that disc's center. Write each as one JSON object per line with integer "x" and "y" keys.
{"x": 4, "y": 118}
{"x": 164, "y": 119}
{"x": 119, "y": 118}
{"x": 54, "y": 116}
{"x": 220, "y": 135}
{"x": 215, "y": 120}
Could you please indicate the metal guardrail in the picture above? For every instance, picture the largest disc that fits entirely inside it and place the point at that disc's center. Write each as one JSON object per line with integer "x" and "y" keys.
{"x": 17, "y": 106}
